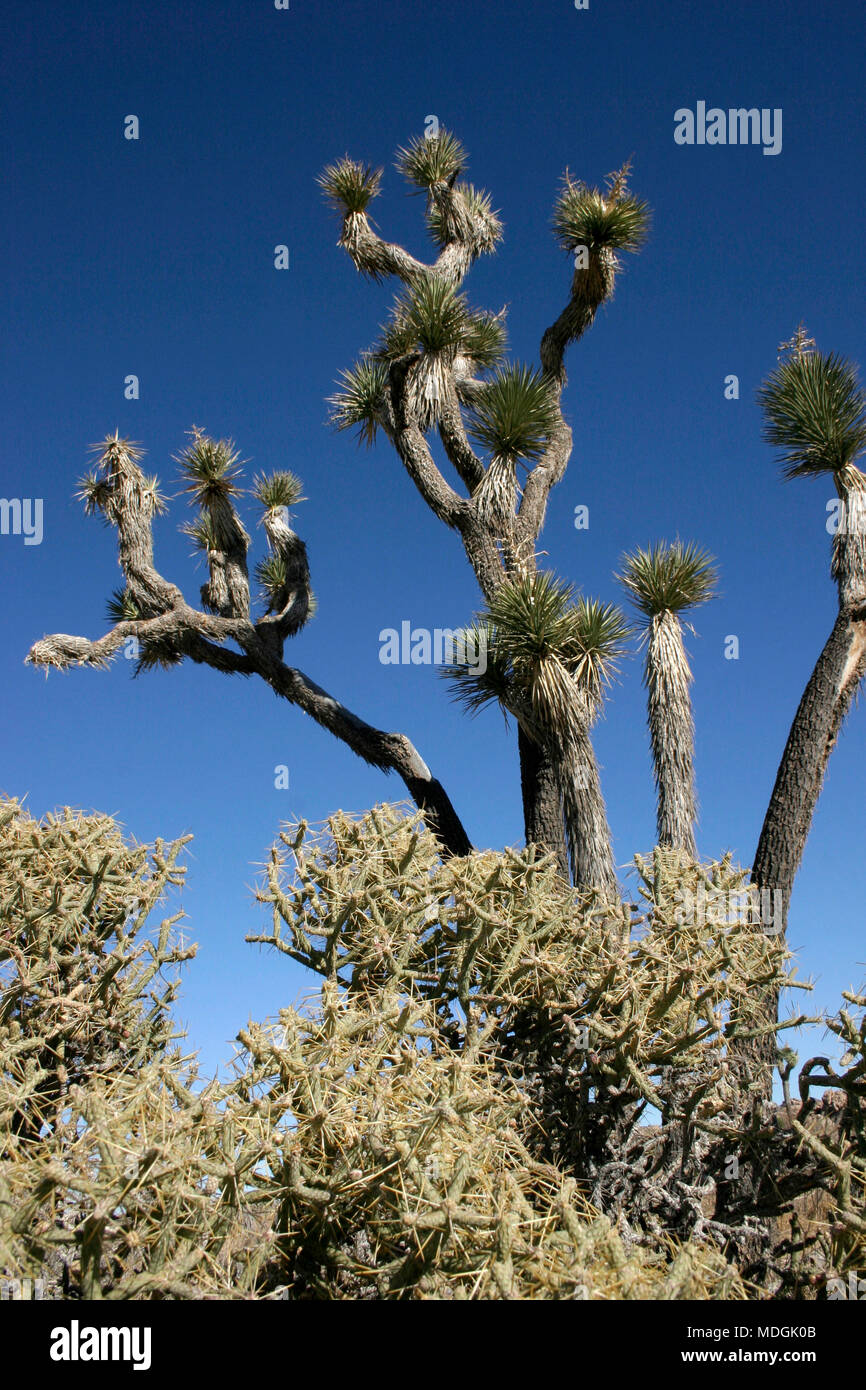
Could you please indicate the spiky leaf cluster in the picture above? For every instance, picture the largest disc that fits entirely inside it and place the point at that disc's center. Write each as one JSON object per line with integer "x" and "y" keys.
{"x": 609, "y": 221}
{"x": 349, "y": 185}
{"x": 121, "y": 607}
{"x": 118, "y": 480}
{"x": 427, "y": 161}
{"x": 558, "y": 649}
{"x": 278, "y": 490}
{"x": 277, "y": 574}
{"x": 203, "y": 532}
{"x": 211, "y": 467}
{"x": 484, "y": 340}
{"x": 668, "y": 577}
{"x": 432, "y": 316}
{"x": 539, "y": 617}
{"x": 358, "y": 401}
{"x": 815, "y": 414}
{"x": 515, "y": 415}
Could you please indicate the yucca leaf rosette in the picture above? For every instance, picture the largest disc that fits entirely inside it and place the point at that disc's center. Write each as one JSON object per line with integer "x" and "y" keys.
{"x": 513, "y": 418}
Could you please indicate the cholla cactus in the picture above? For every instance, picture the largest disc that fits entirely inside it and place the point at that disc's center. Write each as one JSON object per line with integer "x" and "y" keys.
{"x": 112, "y": 1152}
{"x": 599, "y": 1014}
{"x": 460, "y": 1112}
{"x": 839, "y": 1147}
{"x": 405, "y": 1173}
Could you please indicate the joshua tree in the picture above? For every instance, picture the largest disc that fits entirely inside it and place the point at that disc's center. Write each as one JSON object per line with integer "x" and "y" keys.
{"x": 663, "y": 582}
{"x": 549, "y": 658}
{"x": 815, "y": 412}
{"x": 438, "y": 365}
{"x": 427, "y": 373}
{"x": 153, "y": 614}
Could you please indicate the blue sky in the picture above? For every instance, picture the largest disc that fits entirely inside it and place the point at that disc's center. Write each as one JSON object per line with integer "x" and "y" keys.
{"x": 155, "y": 257}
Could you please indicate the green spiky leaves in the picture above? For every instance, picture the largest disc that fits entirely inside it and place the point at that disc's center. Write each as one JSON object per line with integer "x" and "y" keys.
{"x": 484, "y": 340}
{"x": 115, "y": 452}
{"x": 278, "y": 491}
{"x": 121, "y": 607}
{"x": 480, "y": 672}
{"x": 668, "y": 578}
{"x": 601, "y": 634}
{"x": 150, "y": 493}
{"x": 159, "y": 653}
{"x": 211, "y": 467}
{"x": 515, "y": 414}
{"x": 815, "y": 414}
{"x": 277, "y": 573}
{"x": 431, "y": 160}
{"x": 203, "y": 532}
{"x": 434, "y": 321}
{"x": 432, "y": 315}
{"x": 94, "y": 490}
{"x": 358, "y": 401}
{"x": 613, "y": 220}
{"x": 539, "y": 620}
{"x": 554, "y": 646}
{"x": 349, "y": 185}
{"x": 434, "y": 318}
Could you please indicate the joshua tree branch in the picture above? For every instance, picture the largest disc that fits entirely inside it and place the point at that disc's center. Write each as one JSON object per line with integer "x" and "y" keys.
{"x": 589, "y": 290}
{"x": 183, "y": 630}
{"x": 541, "y": 479}
{"x": 415, "y": 455}
{"x": 373, "y": 255}
{"x": 377, "y": 258}
{"x": 177, "y": 631}
{"x": 453, "y": 435}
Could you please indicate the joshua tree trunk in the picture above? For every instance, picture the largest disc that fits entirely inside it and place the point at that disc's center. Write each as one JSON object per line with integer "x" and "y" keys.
{"x": 826, "y": 701}
{"x": 671, "y": 733}
{"x": 542, "y": 802}
{"x": 589, "y": 839}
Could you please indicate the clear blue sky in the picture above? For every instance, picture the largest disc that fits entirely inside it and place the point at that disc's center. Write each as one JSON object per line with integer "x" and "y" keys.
{"x": 155, "y": 257}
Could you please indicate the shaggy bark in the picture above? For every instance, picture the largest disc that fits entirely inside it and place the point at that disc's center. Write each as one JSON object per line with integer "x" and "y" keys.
{"x": 589, "y": 839}
{"x": 671, "y": 733}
